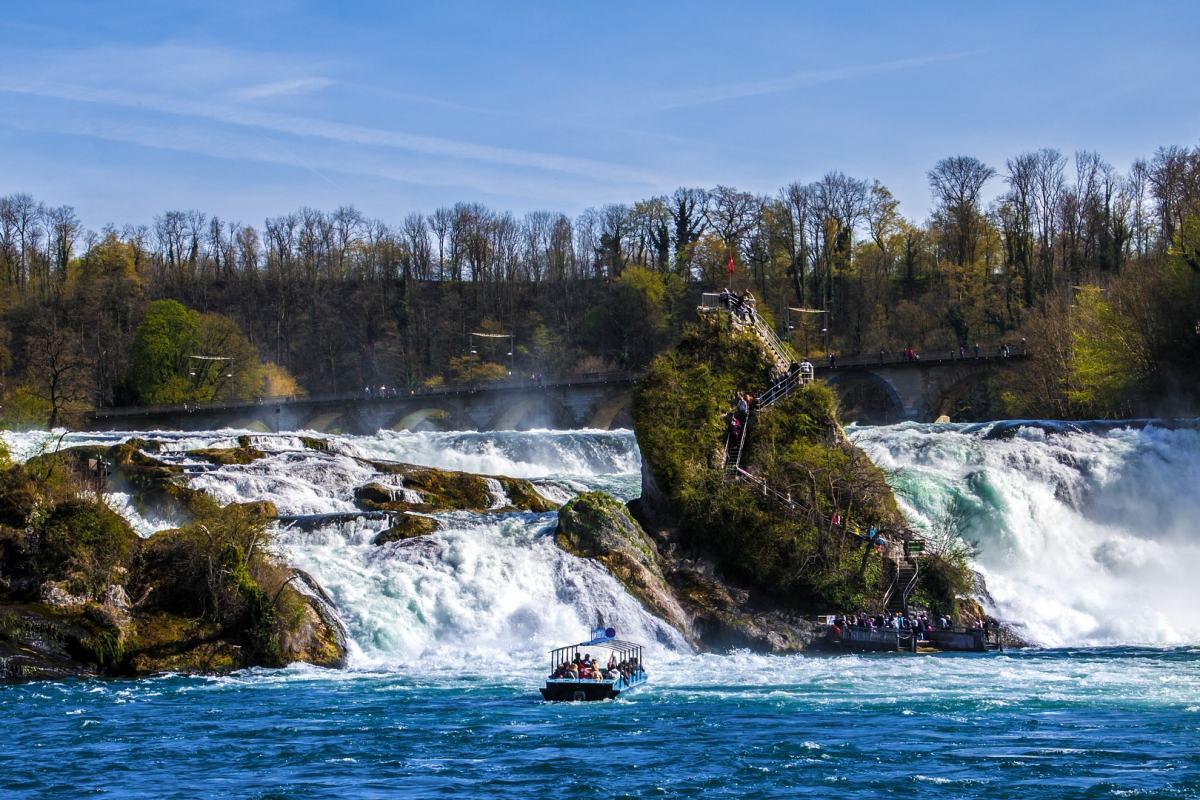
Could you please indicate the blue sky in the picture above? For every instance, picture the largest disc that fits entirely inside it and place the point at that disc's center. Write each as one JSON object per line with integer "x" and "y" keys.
{"x": 252, "y": 109}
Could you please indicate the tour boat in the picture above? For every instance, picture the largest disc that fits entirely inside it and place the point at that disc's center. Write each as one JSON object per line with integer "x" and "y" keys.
{"x": 570, "y": 688}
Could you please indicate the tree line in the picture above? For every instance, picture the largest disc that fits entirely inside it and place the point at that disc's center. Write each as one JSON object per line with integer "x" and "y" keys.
{"x": 1095, "y": 265}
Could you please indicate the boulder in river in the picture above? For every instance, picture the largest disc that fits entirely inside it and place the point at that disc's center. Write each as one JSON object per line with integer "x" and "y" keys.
{"x": 407, "y": 526}
{"x": 430, "y": 489}
{"x": 597, "y": 526}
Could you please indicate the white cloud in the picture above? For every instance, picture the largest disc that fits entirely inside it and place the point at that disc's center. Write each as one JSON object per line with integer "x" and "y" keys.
{"x": 344, "y": 133}
{"x": 290, "y": 86}
{"x": 326, "y": 160}
{"x": 798, "y": 80}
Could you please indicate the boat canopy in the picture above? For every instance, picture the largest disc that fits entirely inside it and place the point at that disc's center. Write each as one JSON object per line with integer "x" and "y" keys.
{"x": 601, "y": 637}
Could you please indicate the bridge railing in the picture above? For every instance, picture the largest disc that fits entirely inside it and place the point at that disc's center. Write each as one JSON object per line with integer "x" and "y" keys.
{"x": 937, "y": 357}
{"x": 388, "y": 394}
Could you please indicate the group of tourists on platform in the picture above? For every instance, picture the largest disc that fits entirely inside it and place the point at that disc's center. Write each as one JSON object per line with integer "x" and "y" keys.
{"x": 741, "y": 304}
{"x": 586, "y": 668}
{"x": 918, "y": 624}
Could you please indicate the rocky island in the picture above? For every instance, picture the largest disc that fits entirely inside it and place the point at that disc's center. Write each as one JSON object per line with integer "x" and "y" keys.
{"x": 716, "y": 556}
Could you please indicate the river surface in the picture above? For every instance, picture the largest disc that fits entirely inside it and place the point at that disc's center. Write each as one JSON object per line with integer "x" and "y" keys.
{"x": 1086, "y": 533}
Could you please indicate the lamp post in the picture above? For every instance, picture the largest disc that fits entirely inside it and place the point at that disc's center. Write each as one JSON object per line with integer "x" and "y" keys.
{"x": 802, "y": 315}
{"x": 512, "y": 344}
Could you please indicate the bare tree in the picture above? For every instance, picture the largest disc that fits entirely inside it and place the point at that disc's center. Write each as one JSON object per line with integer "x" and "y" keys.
{"x": 57, "y": 369}
{"x": 957, "y": 185}
{"x": 687, "y": 210}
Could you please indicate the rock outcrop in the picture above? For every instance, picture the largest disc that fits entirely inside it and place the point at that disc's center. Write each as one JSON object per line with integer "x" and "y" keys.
{"x": 597, "y": 526}
{"x": 81, "y": 594}
{"x": 720, "y": 551}
{"x": 428, "y": 489}
{"x": 711, "y": 613}
{"x": 407, "y": 526}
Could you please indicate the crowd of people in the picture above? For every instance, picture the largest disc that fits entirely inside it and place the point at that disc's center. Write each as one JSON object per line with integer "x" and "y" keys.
{"x": 741, "y": 304}
{"x": 380, "y": 392}
{"x": 916, "y": 624}
{"x": 586, "y": 668}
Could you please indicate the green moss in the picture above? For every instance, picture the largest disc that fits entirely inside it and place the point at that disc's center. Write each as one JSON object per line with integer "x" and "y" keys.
{"x": 594, "y": 523}
{"x": 447, "y": 490}
{"x": 796, "y": 446}
{"x": 407, "y": 526}
{"x": 226, "y": 456}
{"x": 83, "y": 542}
{"x": 523, "y": 496}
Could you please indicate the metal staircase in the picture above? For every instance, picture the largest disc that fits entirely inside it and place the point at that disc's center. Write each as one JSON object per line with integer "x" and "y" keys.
{"x": 904, "y": 580}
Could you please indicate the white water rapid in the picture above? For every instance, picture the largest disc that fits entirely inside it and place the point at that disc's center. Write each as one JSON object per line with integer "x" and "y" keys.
{"x": 486, "y": 589}
{"x": 1089, "y": 534}
{"x": 1086, "y": 534}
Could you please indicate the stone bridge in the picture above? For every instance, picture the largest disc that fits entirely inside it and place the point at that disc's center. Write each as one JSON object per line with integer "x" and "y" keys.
{"x": 871, "y": 390}
{"x": 598, "y": 400}
{"x": 890, "y": 389}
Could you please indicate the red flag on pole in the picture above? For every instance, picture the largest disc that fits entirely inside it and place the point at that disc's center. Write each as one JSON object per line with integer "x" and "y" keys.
{"x": 731, "y": 263}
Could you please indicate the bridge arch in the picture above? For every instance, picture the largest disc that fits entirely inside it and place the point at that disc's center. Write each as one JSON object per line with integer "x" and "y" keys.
{"x": 324, "y": 422}
{"x": 537, "y": 411}
{"x": 611, "y": 411}
{"x": 962, "y": 396}
{"x": 866, "y": 397}
{"x": 430, "y": 418}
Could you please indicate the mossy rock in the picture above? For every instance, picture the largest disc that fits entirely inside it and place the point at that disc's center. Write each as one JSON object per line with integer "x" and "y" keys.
{"x": 597, "y": 526}
{"x": 314, "y": 443}
{"x": 262, "y": 508}
{"x": 448, "y": 490}
{"x": 789, "y": 558}
{"x": 166, "y": 642}
{"x": 307, "y": 633}
{"x": 227, "y": 456}
{"x": 407, "y": 526}
{"x": 40, "y": 642}
{"x": 83, "y": 543}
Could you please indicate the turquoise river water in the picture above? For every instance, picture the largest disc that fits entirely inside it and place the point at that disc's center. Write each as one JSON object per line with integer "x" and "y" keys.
{"x": 1086, "y": 534}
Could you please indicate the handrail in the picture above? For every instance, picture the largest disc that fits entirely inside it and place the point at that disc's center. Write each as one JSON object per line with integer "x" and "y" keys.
{"x": 912, "y": 582}
{"x": 939, "y": 357}
{"x": 782, "y": 351}
{"x": 887, "y": 596}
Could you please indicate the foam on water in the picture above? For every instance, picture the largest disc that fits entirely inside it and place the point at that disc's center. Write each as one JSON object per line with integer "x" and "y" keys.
{"x": 489, "y": 590}
{"x": 1089, "y": 536}
{"x": 519, "y": 454}
{"x": 484, "y": 590}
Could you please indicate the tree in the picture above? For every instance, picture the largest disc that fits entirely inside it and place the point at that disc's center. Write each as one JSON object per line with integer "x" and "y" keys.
{"x": 687, "y": 210}
{"x": 57, "y": 371}
{"x": 180, "y": 356}
{"x": 731, "y": 214}
{"x": 957, "y": 184}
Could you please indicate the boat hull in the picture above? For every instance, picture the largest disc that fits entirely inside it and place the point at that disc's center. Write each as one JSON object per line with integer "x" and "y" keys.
{"x": 584, "y": 691}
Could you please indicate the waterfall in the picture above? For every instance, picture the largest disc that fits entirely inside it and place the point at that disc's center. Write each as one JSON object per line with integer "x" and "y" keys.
{"x": 1086, "y": 533}
{"x": 486, "y": 589}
